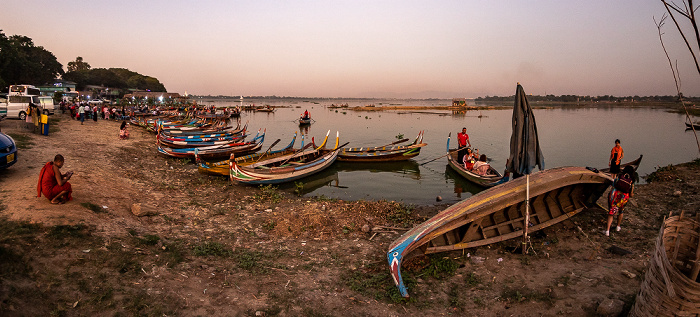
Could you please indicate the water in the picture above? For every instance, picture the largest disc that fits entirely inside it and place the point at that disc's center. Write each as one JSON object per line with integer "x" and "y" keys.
{"x": 568, "y": 137}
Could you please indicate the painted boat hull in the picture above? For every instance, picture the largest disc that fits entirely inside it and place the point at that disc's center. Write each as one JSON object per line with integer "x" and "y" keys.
{"x": 390, "y": 153}
{"x": 223, "y": 167}
{"x": 497, "y": 214}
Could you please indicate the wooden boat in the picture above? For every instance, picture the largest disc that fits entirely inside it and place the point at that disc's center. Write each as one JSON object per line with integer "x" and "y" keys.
{"x": 285, "y": 168}
{"x": 195, "y": 143}
{"x": 634, "y": 164}
{"x": 200, "y": 132}
{"x": 222, "y": 167}
{"x": 387, "y": 153}
{"x": 214, "y": 151}
{"x": 691, "y": 126}
{"x": 493, "y": 177}
{"x": 265, "y": 109}
{"x": 497, "y": 214}
{"x": 304, "y": 121}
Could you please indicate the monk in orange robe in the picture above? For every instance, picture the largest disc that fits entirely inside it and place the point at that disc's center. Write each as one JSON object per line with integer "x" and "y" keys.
{"x": 53, "y": 184}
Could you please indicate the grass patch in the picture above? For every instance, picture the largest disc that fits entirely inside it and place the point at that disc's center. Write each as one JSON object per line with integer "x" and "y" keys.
{"x": 212, "y": 248}
{"x": 517, "y": 295}
{"x": 402, "y": 215}
{"x": 149, "y": 239}
{"x": 95, "y": 208}
{"x": 268, "y": 193}
{"x": 22, "y": 141}
{"x": 440, "y": 268}
{"x": 472, "y": 279}
{"x": 68, "y": 231}
{"x": 53, "y": 124}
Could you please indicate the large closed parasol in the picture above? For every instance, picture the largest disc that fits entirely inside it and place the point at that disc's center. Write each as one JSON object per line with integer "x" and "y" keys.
{"x": 525, "y": 151}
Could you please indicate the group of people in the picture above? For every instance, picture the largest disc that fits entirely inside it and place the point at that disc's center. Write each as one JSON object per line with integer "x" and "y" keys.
{"x": 83, "y": 110}
{"x": 471, "y": 159}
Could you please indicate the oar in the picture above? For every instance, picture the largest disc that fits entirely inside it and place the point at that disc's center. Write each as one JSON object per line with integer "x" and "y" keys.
{"x": 296, "y": 152}
{"x": 448, "y": 153}
{"x": 392, "y": 143}
{"x": 268, "y": 149}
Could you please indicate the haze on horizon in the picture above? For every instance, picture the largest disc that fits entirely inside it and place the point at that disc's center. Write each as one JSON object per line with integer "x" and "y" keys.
{"x": 394, "y": 49}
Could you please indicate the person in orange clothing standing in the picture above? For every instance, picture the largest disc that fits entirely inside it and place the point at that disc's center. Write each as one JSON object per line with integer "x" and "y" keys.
{"x": 616, "y": 155}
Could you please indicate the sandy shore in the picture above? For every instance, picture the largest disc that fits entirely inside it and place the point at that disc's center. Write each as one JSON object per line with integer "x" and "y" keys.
{"x": 214, "y": 248}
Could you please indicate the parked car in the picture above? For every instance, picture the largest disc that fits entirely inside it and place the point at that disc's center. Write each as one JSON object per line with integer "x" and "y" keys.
{"x": 97, "y": 102}
{"x": 8, "y": 151}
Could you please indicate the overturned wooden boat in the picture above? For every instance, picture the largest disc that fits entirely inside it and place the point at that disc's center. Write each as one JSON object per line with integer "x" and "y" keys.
{"x": 492, "y": 178}
{"x": 497, "y": 214}
{"x": 222, "y": 167}
{"x": 285, "y": 168}
{"x": 387, "y": 153}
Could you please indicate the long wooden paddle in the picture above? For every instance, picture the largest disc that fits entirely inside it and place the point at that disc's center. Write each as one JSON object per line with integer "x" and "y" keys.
{"x": 448, "y": 153}
{"x": 296, "y": 152}
{"x": 392, "y": 143}
{"x": 268, "y": 150}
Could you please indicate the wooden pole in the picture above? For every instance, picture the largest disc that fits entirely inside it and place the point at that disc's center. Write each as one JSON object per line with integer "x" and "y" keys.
{"x": 527, "y": 214}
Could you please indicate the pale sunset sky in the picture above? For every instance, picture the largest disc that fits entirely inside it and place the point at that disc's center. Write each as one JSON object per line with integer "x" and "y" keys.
{"x": 404, "y": 49}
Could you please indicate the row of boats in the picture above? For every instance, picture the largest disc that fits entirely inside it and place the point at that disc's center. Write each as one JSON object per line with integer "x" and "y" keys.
{"x": 220, "y": 149}
{"x": 493, "y": 215}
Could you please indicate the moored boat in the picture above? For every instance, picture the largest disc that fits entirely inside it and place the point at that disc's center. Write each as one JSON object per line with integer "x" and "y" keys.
{"x": 285, "y": 168}
{"x": 492, "y": 178}
{"x": 497, "y": 214}
{"x": 691, "y": 126}
{"x": 222, "y": 167}
{"x": 387, "y": 153}
{"x": 214, "y": 151}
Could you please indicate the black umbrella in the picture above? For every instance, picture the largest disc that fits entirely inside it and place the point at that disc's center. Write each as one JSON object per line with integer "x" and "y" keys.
{"x": 525, "y": 151}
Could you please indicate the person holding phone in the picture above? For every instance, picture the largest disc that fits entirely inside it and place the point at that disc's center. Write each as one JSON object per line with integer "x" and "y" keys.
{"x": 53, "y": 184}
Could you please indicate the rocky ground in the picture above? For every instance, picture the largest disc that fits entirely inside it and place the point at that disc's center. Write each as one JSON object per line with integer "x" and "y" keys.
{"x": 213, "y": 248}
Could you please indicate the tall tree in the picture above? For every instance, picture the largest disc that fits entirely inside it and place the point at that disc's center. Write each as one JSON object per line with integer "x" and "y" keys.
{"x": 78, "y": 65}
{"x": 21, "y": 62}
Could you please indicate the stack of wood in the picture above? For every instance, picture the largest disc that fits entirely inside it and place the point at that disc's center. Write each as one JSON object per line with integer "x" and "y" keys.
{"x": 671, "y": 286}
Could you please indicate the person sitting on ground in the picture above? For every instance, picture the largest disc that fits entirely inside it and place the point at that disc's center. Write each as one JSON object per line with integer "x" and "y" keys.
{"x": 53, "y": 184}
{"x": 623, "y": 189}
{"x": 124, "y": 131}
{"x": 481, "y": 167}
{"x": 469, "y": 160}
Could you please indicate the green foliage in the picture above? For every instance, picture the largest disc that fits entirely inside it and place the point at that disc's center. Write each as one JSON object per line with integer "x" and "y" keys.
{"x": 440, "y": 268}
{"x": 472, "y": 279}
{"x": 23, "y": 63}
{"x": 269, "y": 225}
{"x": 399, "y": 136}
{"x": 212, "y": 248}
{"x": 299, "y": 188}
{"x": 269, "y": 192}
{"x": 378, "y": 284}
{"x": 114, "y": 77}
{"x": 403, "y": 215}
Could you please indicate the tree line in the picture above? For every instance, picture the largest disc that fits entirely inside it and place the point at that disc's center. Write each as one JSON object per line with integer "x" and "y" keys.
{"x": 587, "y": 99}
{"x": 22, "y": 62}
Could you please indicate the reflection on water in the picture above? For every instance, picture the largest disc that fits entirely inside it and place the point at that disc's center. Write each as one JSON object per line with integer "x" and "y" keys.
{"x": 568, "y": 137}
{"x": 462, "y": 188}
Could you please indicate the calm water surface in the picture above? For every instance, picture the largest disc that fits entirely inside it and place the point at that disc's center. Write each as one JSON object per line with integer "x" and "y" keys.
{"x": 568, "y": 137}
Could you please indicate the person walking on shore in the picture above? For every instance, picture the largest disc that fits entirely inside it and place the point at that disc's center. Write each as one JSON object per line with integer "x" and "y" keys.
{"x": 623, "y": 189}
{"x": 616, "y": 155}
{"x": 463, "y": 142}
{"x": 81, "y": 113}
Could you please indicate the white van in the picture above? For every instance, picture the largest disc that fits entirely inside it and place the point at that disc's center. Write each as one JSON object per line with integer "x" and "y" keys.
{"x": 47, "y": 104}
{"x": 19, "y": 98}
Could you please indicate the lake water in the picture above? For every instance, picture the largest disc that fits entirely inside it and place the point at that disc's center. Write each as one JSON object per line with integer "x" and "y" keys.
{"x": 568, "y": 137}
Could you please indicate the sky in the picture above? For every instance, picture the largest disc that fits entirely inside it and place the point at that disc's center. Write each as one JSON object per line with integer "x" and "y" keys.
{"x": 393, "y": 49}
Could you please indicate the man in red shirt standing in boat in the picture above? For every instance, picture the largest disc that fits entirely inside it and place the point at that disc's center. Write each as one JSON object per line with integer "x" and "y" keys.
{"x": 463, "y": 141}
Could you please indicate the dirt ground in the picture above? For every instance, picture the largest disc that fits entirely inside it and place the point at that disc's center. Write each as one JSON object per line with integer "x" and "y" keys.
{"x": 217, "y": 249}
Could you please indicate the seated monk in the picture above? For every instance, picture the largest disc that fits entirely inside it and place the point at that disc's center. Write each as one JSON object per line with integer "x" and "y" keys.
{"x": 481, "y": 167}
{"x": 53, "y": 184}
